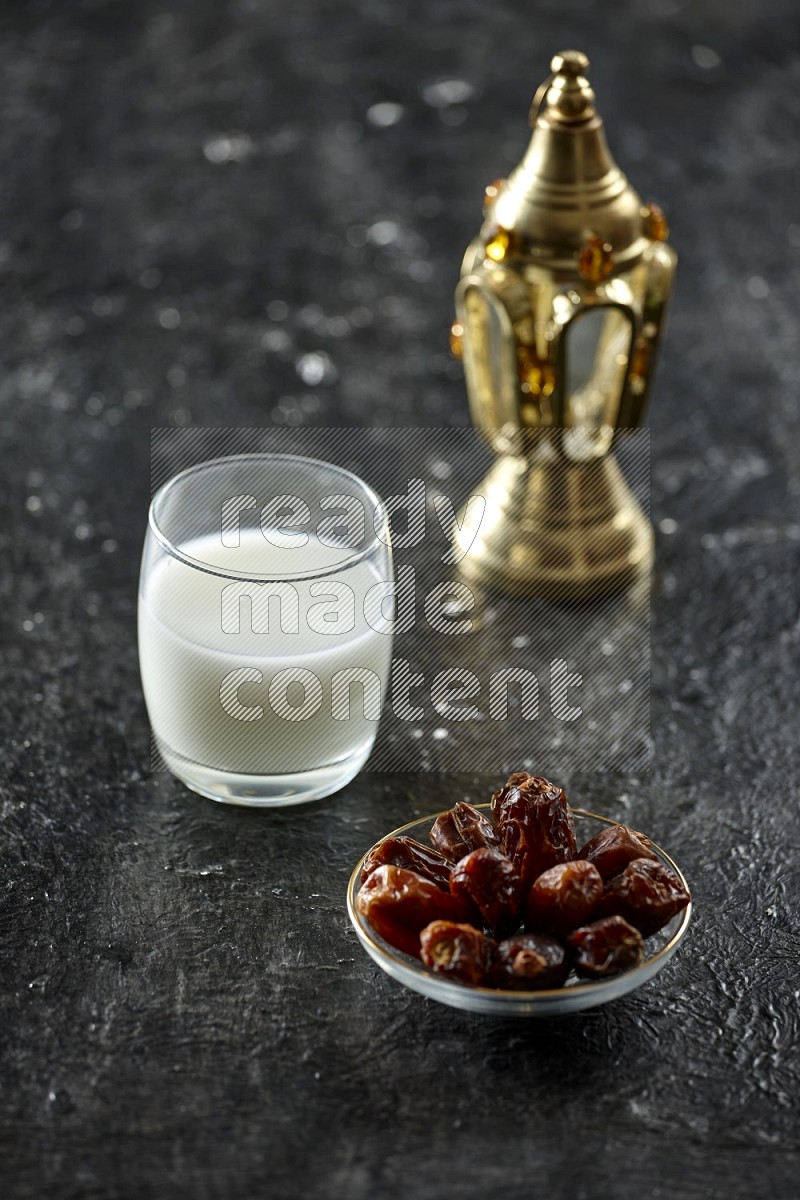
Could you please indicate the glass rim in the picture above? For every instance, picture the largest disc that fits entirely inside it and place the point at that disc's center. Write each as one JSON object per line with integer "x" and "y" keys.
{"x": 197, "y": 564}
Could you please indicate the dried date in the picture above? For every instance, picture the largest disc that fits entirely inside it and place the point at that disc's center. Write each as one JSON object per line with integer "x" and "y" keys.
{"x": 605, "y": 947}
{"x": 529, "y": 961}
{"x": 563, "y": 897}
{"x": 413, "y": 855}
{"x": 534, "y": 823}
{"x": 486, "y": 879}
{"x": 508, "y": 790}
{"x": 447, "y": 839}
{"x": 398, "y": 903}
{"x": 647, "y": 894}
{"x": 475, "y": 829}
{"x": 460, "y": 951}
{"x": 613, "y": 848}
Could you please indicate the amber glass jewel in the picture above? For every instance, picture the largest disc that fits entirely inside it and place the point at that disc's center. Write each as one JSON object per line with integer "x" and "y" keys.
{"x": 499, "y": 244}
{"x": 655, "y": 223}
{"x": 536, "y": 375}
{"x": 640, "y": 358}
{"x": 595, "y": 261}
{"x": 492, "y": 191}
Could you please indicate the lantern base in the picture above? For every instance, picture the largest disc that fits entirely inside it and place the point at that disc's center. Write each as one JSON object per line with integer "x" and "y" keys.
{"x": 554, "y": 529}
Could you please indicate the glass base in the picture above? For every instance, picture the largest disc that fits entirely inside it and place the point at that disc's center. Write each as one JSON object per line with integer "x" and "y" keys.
{"x": 264, "y": 791}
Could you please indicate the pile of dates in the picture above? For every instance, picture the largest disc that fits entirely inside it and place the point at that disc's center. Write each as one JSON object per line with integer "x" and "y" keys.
{"x": 511, "y": 902}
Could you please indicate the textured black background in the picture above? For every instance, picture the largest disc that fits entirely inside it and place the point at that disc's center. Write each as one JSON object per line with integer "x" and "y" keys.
{"x": 185, "y": 1011}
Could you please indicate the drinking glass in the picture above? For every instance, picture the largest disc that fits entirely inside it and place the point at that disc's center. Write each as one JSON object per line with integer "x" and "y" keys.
{"x": 266, "y": 608}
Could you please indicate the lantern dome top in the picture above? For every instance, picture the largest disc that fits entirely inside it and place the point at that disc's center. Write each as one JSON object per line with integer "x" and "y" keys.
{"x": 567, "y": 188}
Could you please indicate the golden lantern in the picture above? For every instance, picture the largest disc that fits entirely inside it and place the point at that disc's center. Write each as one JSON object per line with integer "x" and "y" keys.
{"x": 559, "y": 312}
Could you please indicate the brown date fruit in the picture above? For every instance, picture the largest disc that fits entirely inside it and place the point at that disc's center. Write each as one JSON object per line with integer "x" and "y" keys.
{"x": 613, "y": 848}
{"x": 446, "y": 838}
{"x": 413, "y": 855}
{"x": 605, "y": 947}
{"x": 460, "y": 951}
{"x": 512, "y": 785}
{"x": 534, "y": 823}
{"x": 476, "y": 829}
{"x": 647, "y": 894}
{"x": 486, "y": 878}
{"x": 563, "y": 897}
{"x": 529, "y": 961}
{"x": 398, "y": 903}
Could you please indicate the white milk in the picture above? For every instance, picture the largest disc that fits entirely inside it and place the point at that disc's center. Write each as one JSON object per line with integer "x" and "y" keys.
{"x": 188, "y": 648}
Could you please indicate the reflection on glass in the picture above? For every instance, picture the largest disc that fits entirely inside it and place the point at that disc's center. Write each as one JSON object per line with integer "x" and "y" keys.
{"x": 597, "y": 352}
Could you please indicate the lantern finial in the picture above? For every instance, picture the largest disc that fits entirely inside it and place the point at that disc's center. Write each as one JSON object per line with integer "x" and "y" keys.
{"x": 569, "y": 95}
{"x": 568, "y": 186}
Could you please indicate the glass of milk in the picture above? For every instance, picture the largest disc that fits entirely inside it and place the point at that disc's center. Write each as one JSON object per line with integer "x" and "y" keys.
{"x": 266, "y": 609}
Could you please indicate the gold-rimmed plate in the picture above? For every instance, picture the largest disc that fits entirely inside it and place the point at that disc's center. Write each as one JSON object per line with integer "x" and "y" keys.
{"x": 574, "y": 996}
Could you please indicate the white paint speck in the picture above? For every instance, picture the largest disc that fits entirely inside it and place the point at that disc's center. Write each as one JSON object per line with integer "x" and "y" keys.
{"x": 420, "y": 270}
{"x": 337, "y": 327}
{"x": 383, "y": 233}
{"x": 235, "y": 147}
{"x": 315, "y": 368}
{"x": 176, "y": 375}
{"x": 385, "y": 114}
{"x": 104, "y": 306}
{"x": 277, "y": 310}
{"x": 440, "y": 734}
{"x": 705, "y": 58}
{"x": 757, "y": 287}
{"x": 275, "y": 340}
{"x": 169, "y": 318}
{"x": 447, "y": 92}
{"x": 361, "y": 317}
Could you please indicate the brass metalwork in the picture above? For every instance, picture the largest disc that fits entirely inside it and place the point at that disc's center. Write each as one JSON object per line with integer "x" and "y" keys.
{"x": 561, "y": 305}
